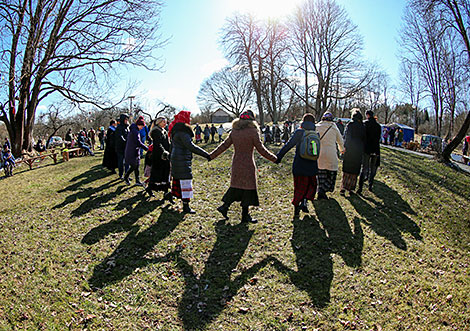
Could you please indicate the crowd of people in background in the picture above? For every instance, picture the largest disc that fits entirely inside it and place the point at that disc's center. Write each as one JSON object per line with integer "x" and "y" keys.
{"x": 392, "y": 136}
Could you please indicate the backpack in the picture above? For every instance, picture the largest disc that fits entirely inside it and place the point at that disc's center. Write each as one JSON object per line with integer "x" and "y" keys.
{"x": 310, "y": 145}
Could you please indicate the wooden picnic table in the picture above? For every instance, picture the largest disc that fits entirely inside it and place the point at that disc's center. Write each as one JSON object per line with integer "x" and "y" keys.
{"x": 30, "y": 160}
{"x": 72, "y": 152}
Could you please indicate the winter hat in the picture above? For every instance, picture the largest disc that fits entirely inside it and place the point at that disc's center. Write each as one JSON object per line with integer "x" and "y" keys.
{"x": 247, "y": 115}
{"x": 308, "y": 118}
{"x": 327, "y": 116}
{"x": 123, "y": 117}
{"x": 183, "y": 116}
{"x": 356, "y": 114}
{"x": 140, "y": 121}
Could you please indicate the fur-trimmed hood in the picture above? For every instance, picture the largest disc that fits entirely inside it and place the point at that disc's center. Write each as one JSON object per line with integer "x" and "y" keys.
{"x": 240, "y": 124}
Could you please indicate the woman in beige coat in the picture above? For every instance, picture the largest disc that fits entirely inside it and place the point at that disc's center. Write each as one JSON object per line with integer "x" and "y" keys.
{"x": 330, "y": 137}
{"x": 245, "y": 136}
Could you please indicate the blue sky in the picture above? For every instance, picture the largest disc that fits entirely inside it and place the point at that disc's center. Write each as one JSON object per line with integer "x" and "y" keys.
{"x": 193, "y": 52}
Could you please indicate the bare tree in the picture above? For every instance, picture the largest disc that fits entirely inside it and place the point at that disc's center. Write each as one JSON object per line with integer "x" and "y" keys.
{"x": 378, "y": 94}
{"x": 242, "y": 37}
{"x": 229, "y": 88}
{"x": 455, "y": 15}
{"x": 412, "y": 87}
{"x": 328, "y": 47}
{"x": 275, "y": 95}
{"x": 165, "y": 110}
{"x": 68, "y": 47}
{"x": 54, "y": 119}
{"x": 422, "y": 39}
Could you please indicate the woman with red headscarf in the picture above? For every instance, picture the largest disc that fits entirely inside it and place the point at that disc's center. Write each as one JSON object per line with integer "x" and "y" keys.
{"x": 182, "y": 149}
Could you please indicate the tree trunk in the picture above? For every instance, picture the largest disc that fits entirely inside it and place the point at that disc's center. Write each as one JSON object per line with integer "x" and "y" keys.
{"x": 306, "y": 84}
{"x": 445, "y": 155}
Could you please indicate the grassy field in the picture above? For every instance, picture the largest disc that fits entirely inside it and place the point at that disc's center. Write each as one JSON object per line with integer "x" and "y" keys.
{"x": 80, "y": 249}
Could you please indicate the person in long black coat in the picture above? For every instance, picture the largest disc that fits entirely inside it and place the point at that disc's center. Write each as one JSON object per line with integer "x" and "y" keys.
{"x": 110, "y": 156}
{"x": 371, "y": 151}
{"x": 354, "y": 139}
{"x": 160, "y": 173}
{"x": 120, "y": 141}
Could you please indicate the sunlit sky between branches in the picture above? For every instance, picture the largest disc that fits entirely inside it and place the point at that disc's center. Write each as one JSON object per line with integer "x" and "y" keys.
{"x": 193, "y": 52}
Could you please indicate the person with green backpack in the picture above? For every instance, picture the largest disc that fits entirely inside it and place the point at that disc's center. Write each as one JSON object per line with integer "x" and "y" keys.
{"x": 305, "y": 166}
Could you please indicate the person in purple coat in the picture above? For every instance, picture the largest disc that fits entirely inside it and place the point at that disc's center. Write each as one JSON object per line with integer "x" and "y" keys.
{"x": 132, "y": 151}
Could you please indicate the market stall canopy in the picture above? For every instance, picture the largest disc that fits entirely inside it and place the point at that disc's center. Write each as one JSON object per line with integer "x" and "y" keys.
{"x": 408, "y": 132}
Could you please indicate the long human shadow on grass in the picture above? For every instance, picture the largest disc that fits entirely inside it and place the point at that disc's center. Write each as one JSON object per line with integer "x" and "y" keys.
{"x": 130, "y": 254}
{"x": 313, "y": 258}
{"x": 418, "y": 170}
{"x": 124, "y": 223}
{"x": 85, "y": 178}
{"x": 206, "y": 296}
{"x": 343, "y": 240}
{"x": 96, "y": 200}
{"x": 94, "y": 173}
{"x": 387, "y": 218}
{"x": 81, "y": 193}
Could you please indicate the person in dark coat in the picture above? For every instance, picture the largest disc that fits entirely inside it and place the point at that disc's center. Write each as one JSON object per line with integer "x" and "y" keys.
{"x": 132, "y": 152}
{"x": 69, "y": 139}
{"x": 160, "y": 173}
{"x": 213, "y": 133}
{"x": 110, "y": 157}
{"x": 182, "y": 149}
{"x": 198, "y": 132}
{"x": 304, "y": 170}
{"x": 286, "y": 133}
{"x": 83, "y": 144}
{"x": 101, "y": 137}
{"x": 144, "y": 134}
{"x": 245, "y": 137}
{"x": 371, "y": 151}
{"x": 40, "y": 146}
{"x": 120, "y": 139}
{"x": 7, "y": 143}
{"x": 207, "y": 133}
{"x": 354, "y": 139}
{"x": 267, "y": 135}
{"x": 391, "y": 136}
{"x": 340, "y": 126}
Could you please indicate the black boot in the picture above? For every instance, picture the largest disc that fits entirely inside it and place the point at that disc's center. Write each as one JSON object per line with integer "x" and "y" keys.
{"x": 223, "y": 210}
{"x": 149, "y": 191}
{"x": 303, "y": 206}
{"x": 168, "y": 197}
{"x": 370, "y": 186}
{"x": 322, "y": 196}
{"x": 246, "y": 218}
{"x": 361, "y": 184}
{"x": 187, "y": 209}
{"x": 296, "y": 211}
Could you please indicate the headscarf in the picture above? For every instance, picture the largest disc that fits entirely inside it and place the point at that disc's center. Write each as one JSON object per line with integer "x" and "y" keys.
{"x": 327, "y": 116}
{"x": 183, "y": 116}
{"x": 247, "y": 115}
